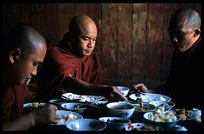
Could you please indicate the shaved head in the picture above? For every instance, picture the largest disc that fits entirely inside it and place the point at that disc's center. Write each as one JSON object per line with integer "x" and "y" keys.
{"x": 25, "y": 37}
{"x": 80, "y": 22}
{"x": 192, "y": 17}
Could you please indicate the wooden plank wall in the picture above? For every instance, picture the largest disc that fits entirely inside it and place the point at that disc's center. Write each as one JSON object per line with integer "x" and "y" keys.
{"x": 133, "y": 43}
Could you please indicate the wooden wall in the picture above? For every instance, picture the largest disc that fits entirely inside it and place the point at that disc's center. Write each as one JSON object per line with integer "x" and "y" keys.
{"x": 133, "y": 43}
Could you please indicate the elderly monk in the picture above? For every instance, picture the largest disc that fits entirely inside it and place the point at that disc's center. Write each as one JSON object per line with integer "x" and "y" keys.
{"x": 24, "y": 50}
{"x": 72, "y": 66}
{"x": 184, "y": 81}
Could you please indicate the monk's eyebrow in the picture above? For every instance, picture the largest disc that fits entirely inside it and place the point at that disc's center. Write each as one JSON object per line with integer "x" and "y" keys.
{"x": 88, "y": 37}
{"x": 37, "y": 63}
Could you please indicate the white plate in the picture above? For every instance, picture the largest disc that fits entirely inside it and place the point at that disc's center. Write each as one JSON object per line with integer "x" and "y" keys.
{"x": 63, "y": 114}
{"x": 81, "y": 98}
{"x": 140, "y": 125}
{"x": 148, "y": 97}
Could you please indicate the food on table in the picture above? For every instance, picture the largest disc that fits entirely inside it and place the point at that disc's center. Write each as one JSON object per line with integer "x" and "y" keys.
{"x": 143, "y": 128}
{"x": 33, "y": 106}
{"x": 161, "y": 116}
{"x": 184, "y": 114}
{"x": 64, "y": 118}
{"x": 82, "y": 98}
{"x": 117, "y": 121}
{"x": 189, "y": 113}
{"x": 130, "y": 126}
{"x": 165, "y": 105}
{"x": 198, "y": 119}
{"x": 144, "y": 107}
{"x": 77, "y": 106}
{"x": 141, "y": 102}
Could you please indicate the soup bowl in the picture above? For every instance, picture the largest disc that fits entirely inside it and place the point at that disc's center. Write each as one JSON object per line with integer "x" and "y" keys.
{"x": 120, "y": 109}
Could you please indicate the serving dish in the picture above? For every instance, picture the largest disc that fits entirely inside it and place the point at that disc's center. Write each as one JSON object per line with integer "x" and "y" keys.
{"x": 148, "y": 97}
{"x": 142, "y": 127}
{"x": 66, "y": 116}
{"x": 81, "y": 98}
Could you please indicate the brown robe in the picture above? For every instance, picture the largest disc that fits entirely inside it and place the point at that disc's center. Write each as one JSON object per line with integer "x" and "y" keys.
{"x": 184, "y": 81}
{"x": 59, "y": 62}
{"x": 13, "y": 99}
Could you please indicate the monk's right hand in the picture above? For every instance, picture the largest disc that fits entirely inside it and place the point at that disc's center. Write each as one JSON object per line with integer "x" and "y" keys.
{"x": 113, "y": 93}
{"x": 46, "y": 114}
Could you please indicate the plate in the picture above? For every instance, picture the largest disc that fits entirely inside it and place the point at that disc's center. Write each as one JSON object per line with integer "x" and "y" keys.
{"x": 66, "y": 116}
{"x": 148, "y": 97}
{"x": 140, "y": 125}
{"x": 81, "y": 98}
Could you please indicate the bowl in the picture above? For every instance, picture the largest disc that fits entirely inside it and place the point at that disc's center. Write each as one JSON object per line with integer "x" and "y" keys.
{"x": 74, "y": 106}
{"x": 168, "y": 105}
{"x": 66, "y": 116}
{"x": 120, "y": 109}
{"x": 57, "y": 102}
{"x": 148, "y": 97}
{"x": 154, "y": 118}
{"x": 123, "y": 90}
{"x": 196, "y": 112}
{"x": 86, "y": 124}
{"x": 115, "y": 123}
{"x": 142, "y": 127}
{"x": 139, "y": 111}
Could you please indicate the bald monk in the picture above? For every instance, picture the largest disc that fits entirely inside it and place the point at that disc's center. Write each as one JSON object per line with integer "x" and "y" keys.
{"x": 24, "y": 50}
{"x": 184, "y": 80}
{"x": 72, "y": 66}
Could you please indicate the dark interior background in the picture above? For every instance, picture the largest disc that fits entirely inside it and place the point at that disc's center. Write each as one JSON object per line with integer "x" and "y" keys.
{"x": 133, "y": 43}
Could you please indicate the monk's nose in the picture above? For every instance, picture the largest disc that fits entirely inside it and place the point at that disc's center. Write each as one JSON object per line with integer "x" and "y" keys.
{"x": 34, "y": 72}
{"x": 175, "y": 39}
{"x": 91, "y": 43}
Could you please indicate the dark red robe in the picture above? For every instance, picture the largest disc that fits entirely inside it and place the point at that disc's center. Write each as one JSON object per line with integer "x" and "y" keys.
{"x": 59, "y": 63}
{"x": 184, "y": 81}
{"x": 13, "y": 99}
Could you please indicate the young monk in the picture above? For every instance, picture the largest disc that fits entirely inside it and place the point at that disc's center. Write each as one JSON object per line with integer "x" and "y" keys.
{"x": 24, "y": 50}
{"x": 72, "y": 66}
{"x": 184, "y": 81}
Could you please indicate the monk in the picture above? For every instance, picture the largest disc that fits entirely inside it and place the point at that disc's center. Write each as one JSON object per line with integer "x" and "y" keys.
{"x": 184, "y": 80}
{"x": 72, "y": 66}
{"x": 24, "y": 50}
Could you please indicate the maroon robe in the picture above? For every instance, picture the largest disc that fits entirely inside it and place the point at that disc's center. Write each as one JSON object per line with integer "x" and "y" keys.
{"x": 184, "y": 81}
{"x": 59, "y": 62}
{"x": 13, "y": 99}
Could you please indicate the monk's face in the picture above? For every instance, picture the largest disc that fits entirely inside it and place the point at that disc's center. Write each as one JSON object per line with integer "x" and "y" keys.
{"x": 86, "y": 39}
{"x": 24, "y": 68}
{"x": 181, "y": 35}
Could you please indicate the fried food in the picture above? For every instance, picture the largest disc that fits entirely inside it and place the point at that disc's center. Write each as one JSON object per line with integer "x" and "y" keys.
{"x": 184, "y": 114}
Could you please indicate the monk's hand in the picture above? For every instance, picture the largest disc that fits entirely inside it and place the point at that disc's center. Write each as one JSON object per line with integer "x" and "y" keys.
{"x": 141, "y": 87}
{"x": 46, "y": 114}
{"x": 115, "y": 94}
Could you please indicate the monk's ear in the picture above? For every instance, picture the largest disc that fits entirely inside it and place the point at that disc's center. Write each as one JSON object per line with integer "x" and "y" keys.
{"x": 71, "y": 37}
{"x": 14, "y": 55}
{"x": 197, "y": 32}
